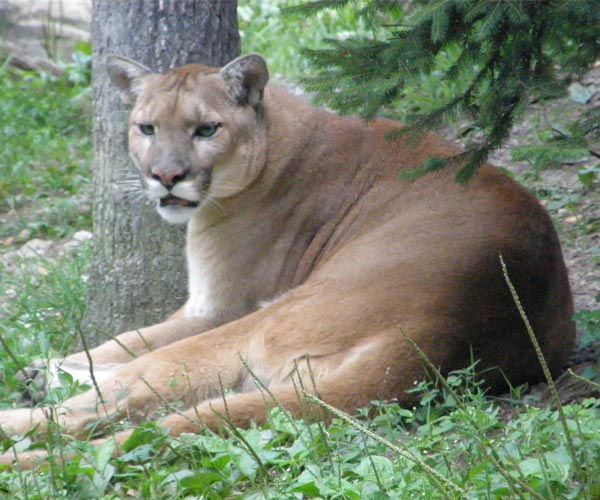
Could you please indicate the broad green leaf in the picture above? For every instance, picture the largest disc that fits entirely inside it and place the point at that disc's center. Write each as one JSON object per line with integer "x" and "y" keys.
{"x": 104, "y": 454}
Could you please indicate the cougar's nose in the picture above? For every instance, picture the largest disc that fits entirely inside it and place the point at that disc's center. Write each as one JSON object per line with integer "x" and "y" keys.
{"x": 168, "y": 178}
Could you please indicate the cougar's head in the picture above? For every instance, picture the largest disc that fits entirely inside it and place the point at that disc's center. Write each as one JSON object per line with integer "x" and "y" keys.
{"x": 192, "y": 130}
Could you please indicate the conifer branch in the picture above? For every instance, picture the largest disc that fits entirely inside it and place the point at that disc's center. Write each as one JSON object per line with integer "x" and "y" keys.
{"x": 507, "y": 54}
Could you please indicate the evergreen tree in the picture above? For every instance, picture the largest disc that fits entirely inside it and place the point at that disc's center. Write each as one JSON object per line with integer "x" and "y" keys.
{"x": 506, "y": 54}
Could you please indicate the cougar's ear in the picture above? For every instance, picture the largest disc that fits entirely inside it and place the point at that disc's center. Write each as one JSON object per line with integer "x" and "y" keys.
{"x": 245, "y": 78}
{"x": 126, "y": 75}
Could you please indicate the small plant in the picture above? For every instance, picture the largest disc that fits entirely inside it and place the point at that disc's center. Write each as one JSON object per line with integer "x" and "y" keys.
{"x": 465, "y": 450}
{"x": 561, "y": 145}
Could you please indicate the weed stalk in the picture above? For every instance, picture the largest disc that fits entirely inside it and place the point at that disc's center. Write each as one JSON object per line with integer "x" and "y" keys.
{"x": 91, "y": 365}
{"x": 545, "y": 369}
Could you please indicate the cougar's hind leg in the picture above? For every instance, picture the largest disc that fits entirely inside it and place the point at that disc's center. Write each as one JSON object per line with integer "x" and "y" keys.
{"x": 347, "y": 380}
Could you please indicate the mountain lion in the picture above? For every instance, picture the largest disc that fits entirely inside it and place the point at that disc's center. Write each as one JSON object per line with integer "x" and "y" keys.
{"x": 308, "y": 257}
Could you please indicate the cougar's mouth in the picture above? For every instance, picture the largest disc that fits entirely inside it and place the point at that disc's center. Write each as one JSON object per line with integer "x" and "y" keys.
{"x": 180, "y": 202}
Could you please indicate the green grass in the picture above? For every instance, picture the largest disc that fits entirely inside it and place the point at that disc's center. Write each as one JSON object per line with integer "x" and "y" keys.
{"x": 456, "y": 443}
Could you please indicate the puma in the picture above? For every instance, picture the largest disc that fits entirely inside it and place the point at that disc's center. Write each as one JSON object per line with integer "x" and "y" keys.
{"x": 308, "y": 257}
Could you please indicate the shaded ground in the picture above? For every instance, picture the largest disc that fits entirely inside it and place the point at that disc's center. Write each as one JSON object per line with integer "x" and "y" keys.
{"x": 38, "y": 28}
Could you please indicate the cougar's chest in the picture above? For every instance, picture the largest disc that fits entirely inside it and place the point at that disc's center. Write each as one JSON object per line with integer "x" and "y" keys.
{"x": 226, "y": 276}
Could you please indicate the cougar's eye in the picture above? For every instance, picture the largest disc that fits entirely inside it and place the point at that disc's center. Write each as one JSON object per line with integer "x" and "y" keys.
{"x": 146, "y": 128}
{"x": 206, "y": 130}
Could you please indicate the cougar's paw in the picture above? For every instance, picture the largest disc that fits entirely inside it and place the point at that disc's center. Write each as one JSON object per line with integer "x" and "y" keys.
{"x": 40, "y": 377}
{"x": 37, "y": 379}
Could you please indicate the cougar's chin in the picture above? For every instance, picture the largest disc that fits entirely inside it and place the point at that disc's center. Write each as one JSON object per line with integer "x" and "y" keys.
{"x": 175, "y": 213}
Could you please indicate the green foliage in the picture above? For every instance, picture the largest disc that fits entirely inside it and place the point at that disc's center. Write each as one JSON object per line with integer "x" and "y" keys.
{"x": 465, "y": 449}
{"x": 265, "y": 29}
{"x": 496, "y": 57}
{"x": 563, "y": 141}
{"x": 46, "y": 144}
{"x": 551, "y": 155}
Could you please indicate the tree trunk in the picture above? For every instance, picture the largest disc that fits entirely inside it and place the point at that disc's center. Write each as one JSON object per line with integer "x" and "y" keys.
{"x": 138, "y": 274}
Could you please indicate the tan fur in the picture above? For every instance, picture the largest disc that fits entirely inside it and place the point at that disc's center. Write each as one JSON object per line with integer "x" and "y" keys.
{"x": 304, "y": 213}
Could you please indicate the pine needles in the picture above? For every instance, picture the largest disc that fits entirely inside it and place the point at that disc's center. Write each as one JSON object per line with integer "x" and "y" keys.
{"x": 509, "y": 53}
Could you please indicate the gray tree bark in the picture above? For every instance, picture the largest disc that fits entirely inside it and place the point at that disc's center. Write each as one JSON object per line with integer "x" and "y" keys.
{"x": 138, "y": 274}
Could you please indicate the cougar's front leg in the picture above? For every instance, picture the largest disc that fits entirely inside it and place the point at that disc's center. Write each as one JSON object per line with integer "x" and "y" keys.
{"x": 130, "y": 345}
{"x": 42, "y": 375}
{"x": 182, "y": 373}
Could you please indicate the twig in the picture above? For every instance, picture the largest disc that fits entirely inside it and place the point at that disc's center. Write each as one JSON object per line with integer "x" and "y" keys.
{"x": 20, "y": 60}
{"x": 119, "y": 343}
{"x": 91, "y": 365}
{"x": 587, "y": 381}
{"x": 169, "y": 404}
{"x": 233, "y": 429}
